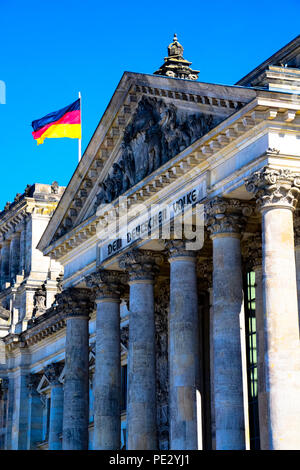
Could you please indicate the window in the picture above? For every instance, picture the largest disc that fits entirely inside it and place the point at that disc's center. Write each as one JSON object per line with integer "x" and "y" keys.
{"x": 251, "y": 351}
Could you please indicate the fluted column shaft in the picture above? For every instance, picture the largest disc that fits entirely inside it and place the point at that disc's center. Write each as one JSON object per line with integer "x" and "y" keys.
{"x": 141, "y": 398}
{"x": 225, "y": 220}
{"x": 77, "y": 307}
{"x": 277, "y": 192}
{"x": 107, "y": 378}
{"x": 184, "y": 394}
{"x": 52, "y": 373}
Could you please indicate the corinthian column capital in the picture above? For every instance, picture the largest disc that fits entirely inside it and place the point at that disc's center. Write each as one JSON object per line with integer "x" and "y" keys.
{"x": 176, "y": 249}
{"x": 52, "y": 372}
{"x": 225, "y": 216}
{"x": 108, "y": 284}
{"x": 75, "y": 302}
{"x": 274, "y": 187}
{"x": 141, "y": 264}
{"x": 32, "y": 382}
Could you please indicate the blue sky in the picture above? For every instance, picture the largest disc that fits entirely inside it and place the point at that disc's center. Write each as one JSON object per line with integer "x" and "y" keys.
{"x": 52, "y": 50}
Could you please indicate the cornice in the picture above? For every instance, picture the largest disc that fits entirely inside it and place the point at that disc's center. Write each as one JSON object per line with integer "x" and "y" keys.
{"x": 15, "y": 216}
{"x": 44, "y": 326}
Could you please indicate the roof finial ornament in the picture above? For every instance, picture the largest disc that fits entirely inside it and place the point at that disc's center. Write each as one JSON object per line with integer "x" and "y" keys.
{"x": 175, "y": 65}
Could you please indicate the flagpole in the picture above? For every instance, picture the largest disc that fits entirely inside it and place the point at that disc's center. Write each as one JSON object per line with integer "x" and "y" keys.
{"x": 79, "y": 140}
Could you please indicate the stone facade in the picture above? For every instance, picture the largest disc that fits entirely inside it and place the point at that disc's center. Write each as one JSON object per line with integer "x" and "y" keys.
{"x": 150, "y": 340}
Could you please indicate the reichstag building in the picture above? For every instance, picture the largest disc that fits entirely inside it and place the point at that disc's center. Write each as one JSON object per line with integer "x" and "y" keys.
{"x": 152, "y": 303}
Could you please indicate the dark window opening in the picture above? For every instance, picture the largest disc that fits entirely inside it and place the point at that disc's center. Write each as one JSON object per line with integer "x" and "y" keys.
{"x": 251, "y": 352}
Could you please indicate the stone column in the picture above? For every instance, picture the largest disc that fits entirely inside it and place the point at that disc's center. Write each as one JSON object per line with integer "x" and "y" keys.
{"x": 52, "y": 372}
{"x": 77, "y": 305}
{"x": 277, "y": 192}
{"x": 184, "y": 388}
{"x": 35, "y": 420}
{"x": 5, "y": 261}
{"x": 224, "y": 220}
{"x": 14, "y": 256}
{"x": 107, "y": 378}
{"x": 141, "y": 400}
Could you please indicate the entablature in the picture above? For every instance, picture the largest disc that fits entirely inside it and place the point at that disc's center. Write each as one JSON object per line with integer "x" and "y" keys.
{"x": 12, "y": 220}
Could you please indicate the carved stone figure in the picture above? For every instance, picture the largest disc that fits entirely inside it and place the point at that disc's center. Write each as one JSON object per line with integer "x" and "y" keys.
{"x": 59, "y": 281}
{"x": 101, "y": 196}
{"x": 124, "y": 332}
{"x": 110, "y": 190}
{"x": 54, "y": 187}
{"x": 39, "y": 302}
{"x": 117, "y": 176}
{"x": 27, "y": 189}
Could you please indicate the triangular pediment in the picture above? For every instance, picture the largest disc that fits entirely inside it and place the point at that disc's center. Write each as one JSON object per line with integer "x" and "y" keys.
{"x": 287, "y": 57}
{"x": 43, "y": 385}
{"x": 149, "y": 120}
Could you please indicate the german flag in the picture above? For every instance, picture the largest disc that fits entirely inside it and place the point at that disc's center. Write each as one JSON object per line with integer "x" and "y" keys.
{"x": 63, "y": 123}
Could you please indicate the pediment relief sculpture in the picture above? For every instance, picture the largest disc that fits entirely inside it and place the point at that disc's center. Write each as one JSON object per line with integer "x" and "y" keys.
{"x": 157, "y": 132}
